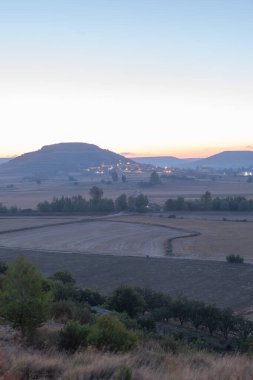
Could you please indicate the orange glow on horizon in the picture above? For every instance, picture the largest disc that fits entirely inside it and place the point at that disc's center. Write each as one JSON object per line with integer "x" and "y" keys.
{"x": 201, "y": 152}
{"x": 197, "y": 152}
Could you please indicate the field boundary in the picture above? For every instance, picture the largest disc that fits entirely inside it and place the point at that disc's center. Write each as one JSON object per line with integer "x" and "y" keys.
{"x": 168, "y": 245}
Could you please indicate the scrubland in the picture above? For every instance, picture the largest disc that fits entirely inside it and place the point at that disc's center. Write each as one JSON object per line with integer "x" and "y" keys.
{"x": 147, "y": 362}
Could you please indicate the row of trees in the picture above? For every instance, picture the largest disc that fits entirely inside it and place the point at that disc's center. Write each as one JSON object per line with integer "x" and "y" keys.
{"x": 27, "y": 300}
{"x": 95, "y": 203}
{"x": 8, "y": 210}
{"x": 209, "y": 203}
{"x": 161, "y": 307}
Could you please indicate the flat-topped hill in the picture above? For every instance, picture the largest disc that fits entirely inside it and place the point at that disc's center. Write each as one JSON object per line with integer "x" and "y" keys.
{"x": 61, "y": 158}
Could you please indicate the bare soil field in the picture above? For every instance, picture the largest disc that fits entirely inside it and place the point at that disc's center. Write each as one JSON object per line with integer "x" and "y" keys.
{"x": 27, "y": 194}
{"x": 96, "y": 237}
{"x": 225, "y": 284}
{"x": 215, "y": 238}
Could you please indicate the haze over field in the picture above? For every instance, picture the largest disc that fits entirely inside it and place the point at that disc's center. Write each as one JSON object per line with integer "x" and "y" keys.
{"x": 138, "y": 77}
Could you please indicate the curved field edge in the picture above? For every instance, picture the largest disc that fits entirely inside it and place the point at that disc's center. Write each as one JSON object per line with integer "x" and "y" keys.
{"x": 98, "y": 236}
{"x": 215, "y": 240}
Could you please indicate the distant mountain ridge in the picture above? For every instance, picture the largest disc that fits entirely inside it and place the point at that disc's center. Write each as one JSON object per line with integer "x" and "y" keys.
{"x": 65, "y": 158}
{"x": 61, "y": 158}
{"x": 163, "y": 161}
{"x": 227, "y": 160}
{"x": 223, "y": 160}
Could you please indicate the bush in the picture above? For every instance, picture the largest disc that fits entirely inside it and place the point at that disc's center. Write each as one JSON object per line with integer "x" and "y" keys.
{"x": 45, "y": 337}
{"x": 90, "y": 296}
{"x": 64, "y": 276}
{"x": 66, "y": 310}
{"x": 63, "y": 291}
{"x": 72, "y": 336}
{"x": 126, "y": 299}
{"x": 235, "y": 259}
{"x": 124, "y": 373}
{"x": 170, "y": 344}
{"x": 25, "y": 300}
{"x": 146, "y": 322}
{"x": 110, "y": 334}
{"x": 3, "y": 267}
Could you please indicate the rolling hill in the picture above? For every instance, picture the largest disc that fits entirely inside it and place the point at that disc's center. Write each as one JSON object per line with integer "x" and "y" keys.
{"x": 223, "y": 160}
{"x": 227, "y": 160}
{"x": 60, "y": 158}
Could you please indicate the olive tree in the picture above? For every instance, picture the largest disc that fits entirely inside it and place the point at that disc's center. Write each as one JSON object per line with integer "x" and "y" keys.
{"x": 25, "y": 298}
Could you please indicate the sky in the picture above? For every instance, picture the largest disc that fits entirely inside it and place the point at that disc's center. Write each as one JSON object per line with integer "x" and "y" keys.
{"x": 139, "y": 77}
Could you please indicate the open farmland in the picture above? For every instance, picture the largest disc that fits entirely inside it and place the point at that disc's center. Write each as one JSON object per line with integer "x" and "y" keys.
{"x": 21, "y": 223}
{"x": 210, "y": 281}
{"x": 27, "y": 194}
{"x": 93, "y": 236}
{"x": 97, "y": 252}
{"x": 214, "y": 239}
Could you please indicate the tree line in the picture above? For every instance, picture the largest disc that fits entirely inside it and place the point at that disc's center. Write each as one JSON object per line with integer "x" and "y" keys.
{"x": 96, "y": 203}
{"x": 209, "y": 203}
{"x": 158, "y": 307}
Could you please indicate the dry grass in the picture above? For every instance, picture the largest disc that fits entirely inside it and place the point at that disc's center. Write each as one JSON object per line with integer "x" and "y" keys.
{"x": 146, "y": 363}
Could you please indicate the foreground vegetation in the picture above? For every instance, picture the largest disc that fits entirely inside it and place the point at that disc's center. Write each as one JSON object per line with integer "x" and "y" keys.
{"x": 136, "y": 334}
{"x": 147, "y": 362}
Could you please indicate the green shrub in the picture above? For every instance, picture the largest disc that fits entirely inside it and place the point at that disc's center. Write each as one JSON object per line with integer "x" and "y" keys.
{"x": 110, "y": 334}
{"x": 146, "y": 323}
{"x": 24, "y": 299}
{"x": 235, "y": 259}
{"x": 90, "y": 296}
{"x": 126, "y": 299}
{"x": 129, "y": 323}
{"x": 64, "y": 276}
{"x": 72, "y": 336}
{"x": 169, "y": 344}
{"x": 124, "y": 373}
{"x": 65, "y": 310}
{"x": 3, "y": 267}
{"x": 63, "y": 291}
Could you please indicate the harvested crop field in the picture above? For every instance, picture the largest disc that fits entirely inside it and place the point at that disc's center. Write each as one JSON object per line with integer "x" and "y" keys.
{"x": 225, "y": 284}
{"x": 214, "y": 239}
{"x": 27, "y": 194}
{"x": 19, "y": 222}
{"x": 93, "y": 236}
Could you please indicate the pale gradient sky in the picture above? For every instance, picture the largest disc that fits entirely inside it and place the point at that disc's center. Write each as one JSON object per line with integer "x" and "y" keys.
{"x": 149, "y": 77}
